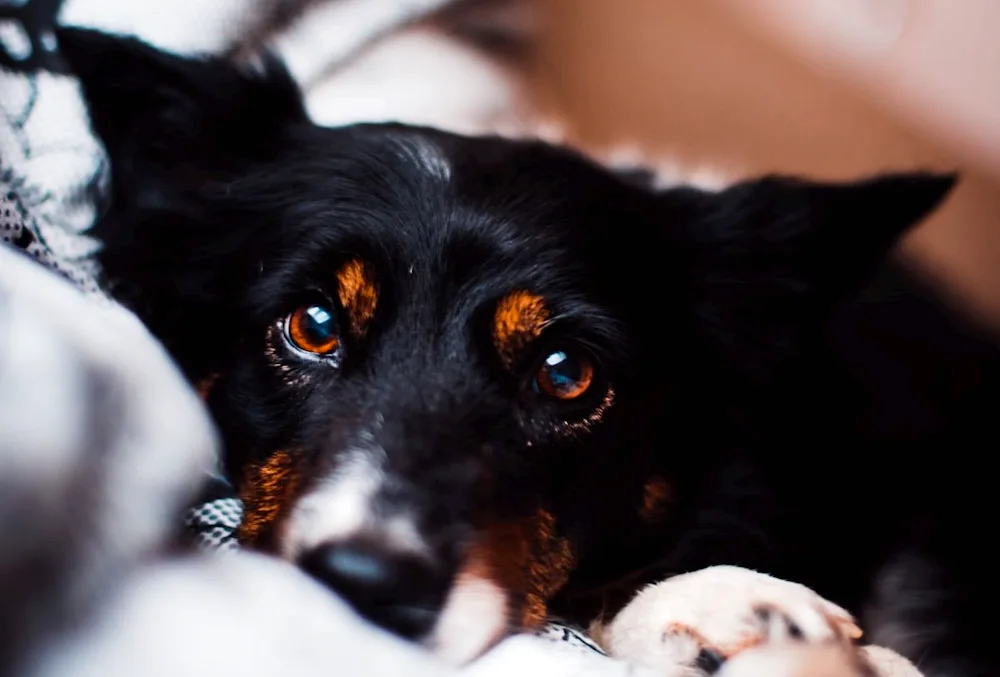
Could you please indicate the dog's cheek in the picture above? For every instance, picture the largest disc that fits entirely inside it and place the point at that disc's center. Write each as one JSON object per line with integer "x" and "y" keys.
{"x": 550, "y": 563}
{"x": 478, "y": 610}
{"x": 528, "y": 560}
{"x": 508, "y": 577}
{"x": 268, "y": 491}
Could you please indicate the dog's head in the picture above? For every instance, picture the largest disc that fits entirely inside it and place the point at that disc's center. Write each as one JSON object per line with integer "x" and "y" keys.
{"x": 450, "y": 371}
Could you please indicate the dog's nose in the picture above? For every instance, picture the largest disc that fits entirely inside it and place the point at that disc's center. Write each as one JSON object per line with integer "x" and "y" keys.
{"x": 401, "y": 592}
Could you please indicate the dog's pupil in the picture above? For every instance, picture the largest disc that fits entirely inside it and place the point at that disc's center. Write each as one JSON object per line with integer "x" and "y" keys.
{"x": 320, "y": 325}
{"x": 563, "y": 372}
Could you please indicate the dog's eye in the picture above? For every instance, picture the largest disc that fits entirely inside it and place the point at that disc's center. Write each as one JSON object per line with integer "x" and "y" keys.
{"x": 313, "y": 328}
{"x": 564, "y": 375}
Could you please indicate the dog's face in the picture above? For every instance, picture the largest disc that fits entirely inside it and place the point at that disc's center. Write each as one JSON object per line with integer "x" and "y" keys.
{"x": 452, "y": 372}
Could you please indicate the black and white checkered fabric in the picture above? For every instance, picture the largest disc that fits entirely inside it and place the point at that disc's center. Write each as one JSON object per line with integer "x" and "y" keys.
{"x": 214, "y": 524}
{"x": 52, "y": 169}
{"x": 571, "y": 637}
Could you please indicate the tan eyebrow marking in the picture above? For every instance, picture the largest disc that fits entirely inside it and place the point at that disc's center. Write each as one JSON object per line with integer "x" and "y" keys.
{"x": 357, "y": 290}
{"x": 519, "y": 319}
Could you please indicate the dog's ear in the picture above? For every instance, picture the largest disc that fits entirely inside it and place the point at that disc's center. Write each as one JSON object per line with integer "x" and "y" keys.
{"x": 180, "y": 132}
{"x": 766, "y": 260}
{"x": 166, "y": 118}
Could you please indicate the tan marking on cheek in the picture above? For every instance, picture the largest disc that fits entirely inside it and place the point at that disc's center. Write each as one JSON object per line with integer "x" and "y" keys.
{"x": 529, "y": 560}
{"x": 267, "y": 491}
{"x": 358, "y": 294}
{"x": 501, "y": 555}
{"x": 657, "y": 495}
{"x": 519, "y": 319}
{"x": 549, "y": 568}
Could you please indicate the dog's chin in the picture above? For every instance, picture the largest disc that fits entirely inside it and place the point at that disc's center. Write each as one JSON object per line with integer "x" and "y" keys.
{"x": 474, "y": 618}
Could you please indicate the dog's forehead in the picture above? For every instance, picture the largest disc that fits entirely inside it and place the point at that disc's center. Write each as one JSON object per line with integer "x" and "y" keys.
{"x": 431, "y": 200}
{"x": 533, "y": 184}
{"x": 421, "y": 152}
{"x": 447, "y": 224}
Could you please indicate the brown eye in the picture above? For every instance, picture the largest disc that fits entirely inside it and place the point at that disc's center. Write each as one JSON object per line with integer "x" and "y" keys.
{"x": 564, "y": 375}
{"x": 313, "y": 328}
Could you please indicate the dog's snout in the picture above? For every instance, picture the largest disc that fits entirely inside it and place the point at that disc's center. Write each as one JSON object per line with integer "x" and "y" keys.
{"x": 401, "y": 592}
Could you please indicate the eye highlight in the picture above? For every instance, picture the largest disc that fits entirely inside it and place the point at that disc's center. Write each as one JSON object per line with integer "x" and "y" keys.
{"x": 313, "y": 328}
{"x": 564, "y": 375}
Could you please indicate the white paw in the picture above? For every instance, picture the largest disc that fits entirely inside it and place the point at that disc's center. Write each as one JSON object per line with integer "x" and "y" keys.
{"x": 888, "y": 663}
{"x": 694, "y": 623}
{"x": 829, "y": 659}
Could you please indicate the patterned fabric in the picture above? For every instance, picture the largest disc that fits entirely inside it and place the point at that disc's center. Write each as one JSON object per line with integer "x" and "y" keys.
{"x": 26, "y": 35}
{"x": 214, "y": 523}
{"x": 52, "y": 170}
{"x": 571, "y": 637}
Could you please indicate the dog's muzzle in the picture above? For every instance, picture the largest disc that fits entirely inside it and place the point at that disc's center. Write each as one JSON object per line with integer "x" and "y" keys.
{"x": 399, "y": 591}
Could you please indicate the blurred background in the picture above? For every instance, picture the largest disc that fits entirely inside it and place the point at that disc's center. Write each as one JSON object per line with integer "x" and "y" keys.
{"x": 829, "y": 89}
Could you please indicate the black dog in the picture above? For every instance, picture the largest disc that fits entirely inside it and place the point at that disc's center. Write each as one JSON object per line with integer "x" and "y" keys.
{"x": 474, "y": 380}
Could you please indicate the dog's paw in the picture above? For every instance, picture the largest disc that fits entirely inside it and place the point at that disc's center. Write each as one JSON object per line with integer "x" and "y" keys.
{"x": 695, "y": 623}
{"x": 887, "y": 663}
{"x": 828, "y": 659}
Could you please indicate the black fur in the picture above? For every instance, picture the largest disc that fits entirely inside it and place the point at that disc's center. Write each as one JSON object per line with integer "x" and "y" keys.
{"x": 816, "y": 413}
